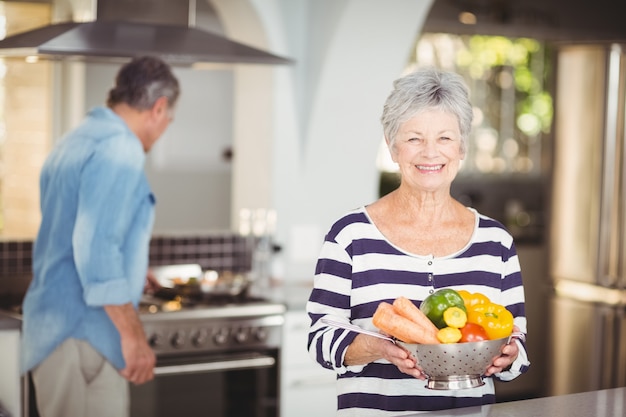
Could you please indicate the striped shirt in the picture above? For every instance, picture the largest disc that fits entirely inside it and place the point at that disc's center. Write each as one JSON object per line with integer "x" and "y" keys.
{"x": 358, "y": 268}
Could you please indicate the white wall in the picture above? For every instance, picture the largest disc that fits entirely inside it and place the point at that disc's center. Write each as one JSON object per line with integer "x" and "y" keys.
{"x": 191, "y": 181}
{"x": 327, "y": 108}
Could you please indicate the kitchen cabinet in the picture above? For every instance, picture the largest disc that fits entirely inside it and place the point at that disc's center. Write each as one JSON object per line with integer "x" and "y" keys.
{"x": 307, "y": 389}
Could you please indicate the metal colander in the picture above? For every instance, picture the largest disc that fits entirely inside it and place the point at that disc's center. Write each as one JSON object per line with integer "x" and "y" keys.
{"x": 455, "y": 365}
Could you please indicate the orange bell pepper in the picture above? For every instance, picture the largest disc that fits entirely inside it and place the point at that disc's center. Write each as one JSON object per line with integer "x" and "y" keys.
{"x": 473, "y": 298}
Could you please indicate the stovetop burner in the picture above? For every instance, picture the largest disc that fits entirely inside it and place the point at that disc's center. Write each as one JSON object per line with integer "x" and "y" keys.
{"x": 155, "y": 304}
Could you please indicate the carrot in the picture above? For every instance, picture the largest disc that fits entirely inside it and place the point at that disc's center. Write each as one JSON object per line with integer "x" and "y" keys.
{"x": 407, "y": 309}
{"x": 387, "y": 319}
{"x": 390, "y": 322}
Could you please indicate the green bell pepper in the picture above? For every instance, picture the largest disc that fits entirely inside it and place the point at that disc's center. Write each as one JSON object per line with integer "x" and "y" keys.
{"x": 436, "y": 303}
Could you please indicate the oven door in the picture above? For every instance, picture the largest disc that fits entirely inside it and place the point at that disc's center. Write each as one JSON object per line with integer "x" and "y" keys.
{"x": 226, "y": 385}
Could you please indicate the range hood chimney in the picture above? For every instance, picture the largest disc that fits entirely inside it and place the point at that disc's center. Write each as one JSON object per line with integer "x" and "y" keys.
{"x": 123, "y": 29}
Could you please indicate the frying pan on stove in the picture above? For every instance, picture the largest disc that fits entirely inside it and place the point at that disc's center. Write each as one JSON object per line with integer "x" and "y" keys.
{"x": 188, "y": 281}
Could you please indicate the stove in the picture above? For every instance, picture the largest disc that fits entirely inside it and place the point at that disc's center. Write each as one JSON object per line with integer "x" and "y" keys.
{"x": 176, "y": 327}
{"x": 219, "y": 312}
{"x": 217, "y": 356}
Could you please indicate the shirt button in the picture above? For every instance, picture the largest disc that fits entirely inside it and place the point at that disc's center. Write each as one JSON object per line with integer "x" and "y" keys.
{"x": 430, "y": 262}
{"x": 431, "y": 291}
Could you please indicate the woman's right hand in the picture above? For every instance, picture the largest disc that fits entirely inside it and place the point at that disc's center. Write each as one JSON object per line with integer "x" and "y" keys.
{"x": 405, "y": 362}
{"x": 365, "y": 349}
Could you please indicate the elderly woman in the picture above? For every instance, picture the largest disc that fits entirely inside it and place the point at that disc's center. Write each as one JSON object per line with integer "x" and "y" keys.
{"x": 412, "y": 242}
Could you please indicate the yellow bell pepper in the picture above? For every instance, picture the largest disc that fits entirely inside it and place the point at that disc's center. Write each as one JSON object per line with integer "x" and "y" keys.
{"x": 494, "y": 318}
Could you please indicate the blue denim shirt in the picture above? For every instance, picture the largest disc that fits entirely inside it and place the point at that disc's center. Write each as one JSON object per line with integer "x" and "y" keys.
{"x": 92, "y": 246}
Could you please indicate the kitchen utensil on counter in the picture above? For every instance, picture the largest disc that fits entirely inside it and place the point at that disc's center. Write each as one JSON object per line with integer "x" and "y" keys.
{"x": 189, "y": 284}
{"x": 170, "y": 275}
{"x": 224, "y": 283}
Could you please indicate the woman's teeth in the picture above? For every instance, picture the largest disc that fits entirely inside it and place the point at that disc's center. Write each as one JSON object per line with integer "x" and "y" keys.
{"x": 430, "y": 167}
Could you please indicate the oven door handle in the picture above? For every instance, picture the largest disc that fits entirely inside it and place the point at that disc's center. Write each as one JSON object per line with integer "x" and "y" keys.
{"x": 227, "y": 365}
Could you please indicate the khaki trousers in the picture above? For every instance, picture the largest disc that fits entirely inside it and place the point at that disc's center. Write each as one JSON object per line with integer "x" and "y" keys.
{"x": 76, "y": 381}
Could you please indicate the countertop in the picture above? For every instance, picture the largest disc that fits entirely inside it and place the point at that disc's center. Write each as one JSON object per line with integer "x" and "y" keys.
{"x": 9, "y": 321}
{"x": 293, "y": 294}
{"x": 603, "y": 403}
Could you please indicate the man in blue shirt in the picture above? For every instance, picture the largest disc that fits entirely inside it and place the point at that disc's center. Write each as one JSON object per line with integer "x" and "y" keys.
{"x": 82, "y": 337}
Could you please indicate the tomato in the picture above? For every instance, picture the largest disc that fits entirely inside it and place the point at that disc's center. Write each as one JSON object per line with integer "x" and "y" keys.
{"x": 473, "y": 332}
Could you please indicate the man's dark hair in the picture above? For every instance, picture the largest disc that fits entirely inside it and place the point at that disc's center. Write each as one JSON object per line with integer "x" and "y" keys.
{"x": 142, "y": 81}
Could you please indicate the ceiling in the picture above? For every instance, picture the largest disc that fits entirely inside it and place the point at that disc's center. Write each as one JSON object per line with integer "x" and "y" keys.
{"x": 551, "y": 20}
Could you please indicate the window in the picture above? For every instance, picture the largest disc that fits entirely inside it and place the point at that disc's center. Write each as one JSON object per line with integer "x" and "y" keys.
{"x": 513, "y": 108}
{"x": 25, "y": 120}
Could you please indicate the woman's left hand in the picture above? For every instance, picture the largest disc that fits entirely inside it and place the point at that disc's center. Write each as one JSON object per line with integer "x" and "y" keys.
{"x": 506, "y": 358}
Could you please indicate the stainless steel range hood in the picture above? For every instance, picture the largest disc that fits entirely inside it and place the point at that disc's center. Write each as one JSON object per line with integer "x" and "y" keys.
{"x": 124, "y": 29}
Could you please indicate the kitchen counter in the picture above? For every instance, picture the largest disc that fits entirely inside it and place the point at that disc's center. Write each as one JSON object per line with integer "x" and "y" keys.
{"x": 603, "y": 403}
{"x": 293, "y": 294}
{"x": 9, "y": 321}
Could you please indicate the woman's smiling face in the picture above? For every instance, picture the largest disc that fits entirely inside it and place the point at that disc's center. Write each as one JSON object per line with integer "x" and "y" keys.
{"x": 427, "y": 150}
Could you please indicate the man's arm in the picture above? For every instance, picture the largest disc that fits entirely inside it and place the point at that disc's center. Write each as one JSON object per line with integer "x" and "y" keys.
{"x": 139, "y": 357}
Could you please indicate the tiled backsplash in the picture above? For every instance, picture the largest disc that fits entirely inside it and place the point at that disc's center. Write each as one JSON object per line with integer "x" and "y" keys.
{"x": 221, "y": 252}
{"x": 16, "y": 257}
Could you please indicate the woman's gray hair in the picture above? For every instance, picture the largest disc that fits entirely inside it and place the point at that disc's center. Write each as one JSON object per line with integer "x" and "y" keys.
{"x": 424, "y": 89}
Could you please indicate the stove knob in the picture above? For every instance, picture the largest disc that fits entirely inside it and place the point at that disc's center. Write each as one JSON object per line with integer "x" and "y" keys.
{"x": 242, "y": 335}
{"x": 221, "y": 336}
{"x": 261, "y": 334}
{"x": 155, "y": 340}
{"x": 199, "y": 338}
{"x": 178, "y": 339}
